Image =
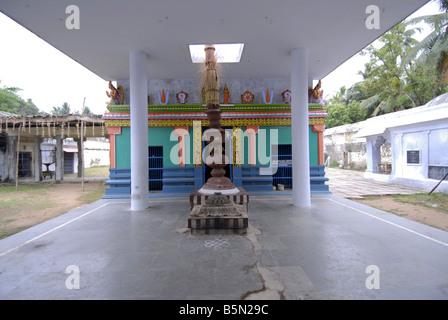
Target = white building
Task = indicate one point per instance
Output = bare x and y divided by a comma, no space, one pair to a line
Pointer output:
419,145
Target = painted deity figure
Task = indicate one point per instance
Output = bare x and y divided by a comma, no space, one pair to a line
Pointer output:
226,93
286,96
182,97
115,95
315,94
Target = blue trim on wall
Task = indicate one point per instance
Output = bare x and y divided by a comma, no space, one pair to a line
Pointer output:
181,181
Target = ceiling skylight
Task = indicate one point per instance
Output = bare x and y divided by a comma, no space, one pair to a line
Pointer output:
226,53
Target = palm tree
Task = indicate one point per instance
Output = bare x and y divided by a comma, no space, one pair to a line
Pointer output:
63,110
432,51
383,88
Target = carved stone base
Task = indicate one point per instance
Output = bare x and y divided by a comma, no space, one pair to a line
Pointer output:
198,198
218,214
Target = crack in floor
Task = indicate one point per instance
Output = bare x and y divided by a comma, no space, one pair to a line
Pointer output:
272,286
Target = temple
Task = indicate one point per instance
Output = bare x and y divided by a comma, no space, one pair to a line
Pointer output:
146,48
258,139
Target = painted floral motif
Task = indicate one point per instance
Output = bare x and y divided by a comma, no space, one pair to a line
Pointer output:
247,97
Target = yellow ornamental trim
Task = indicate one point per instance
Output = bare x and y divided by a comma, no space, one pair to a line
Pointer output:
224,122
197,143
313,121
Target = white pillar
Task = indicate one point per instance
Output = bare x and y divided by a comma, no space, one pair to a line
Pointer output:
139,130
301,193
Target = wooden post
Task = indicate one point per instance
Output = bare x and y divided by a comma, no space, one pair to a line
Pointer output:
17,159
81,153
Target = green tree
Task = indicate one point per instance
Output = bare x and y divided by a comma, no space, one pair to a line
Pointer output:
86,111
337,115
431,53
384,78
340,114
339,97
11,102
63,110
401,73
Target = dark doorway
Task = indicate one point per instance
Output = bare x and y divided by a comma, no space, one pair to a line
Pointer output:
155,167
69,157
284,170
24,164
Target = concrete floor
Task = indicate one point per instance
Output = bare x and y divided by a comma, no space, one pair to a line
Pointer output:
322,252
352,184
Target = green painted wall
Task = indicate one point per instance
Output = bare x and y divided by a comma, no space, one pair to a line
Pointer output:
123,148
314,151
157,136
284,137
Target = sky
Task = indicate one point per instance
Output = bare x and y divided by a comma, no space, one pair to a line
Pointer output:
50,78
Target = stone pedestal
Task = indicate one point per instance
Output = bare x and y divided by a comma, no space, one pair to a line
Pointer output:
241,198
217,214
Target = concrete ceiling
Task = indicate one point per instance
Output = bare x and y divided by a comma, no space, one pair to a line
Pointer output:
332,30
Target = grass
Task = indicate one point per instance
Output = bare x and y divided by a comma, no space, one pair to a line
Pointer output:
437,201
27,196
92,196
24,188
101,171
32,200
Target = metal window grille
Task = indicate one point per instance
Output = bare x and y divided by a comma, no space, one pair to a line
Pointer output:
155,167
284,171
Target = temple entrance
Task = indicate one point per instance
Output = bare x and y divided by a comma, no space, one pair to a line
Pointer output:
155,167
206,171
283,175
